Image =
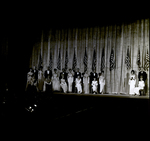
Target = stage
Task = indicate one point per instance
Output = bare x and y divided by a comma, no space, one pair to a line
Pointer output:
109,95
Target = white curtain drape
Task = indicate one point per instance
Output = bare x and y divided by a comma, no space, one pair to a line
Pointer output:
119,37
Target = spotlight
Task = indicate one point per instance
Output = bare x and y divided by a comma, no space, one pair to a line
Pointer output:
35,105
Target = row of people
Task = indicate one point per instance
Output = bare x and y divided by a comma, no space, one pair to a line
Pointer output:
69,82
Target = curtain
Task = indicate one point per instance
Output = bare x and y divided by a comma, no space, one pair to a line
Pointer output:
118,37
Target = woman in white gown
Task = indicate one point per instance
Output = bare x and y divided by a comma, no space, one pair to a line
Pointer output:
55,81
132,82
63,84
78,84
94,86
101,82
86,80
29,78
70,80
40,79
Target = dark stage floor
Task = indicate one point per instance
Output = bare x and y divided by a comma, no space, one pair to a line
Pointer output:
74,109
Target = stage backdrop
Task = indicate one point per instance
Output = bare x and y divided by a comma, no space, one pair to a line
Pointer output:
125,45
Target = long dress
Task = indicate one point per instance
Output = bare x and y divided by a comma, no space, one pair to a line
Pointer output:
78,85
94,84
55,82
63,84
140,87
70,81
132,86
102,83
40,80
29,79
86,83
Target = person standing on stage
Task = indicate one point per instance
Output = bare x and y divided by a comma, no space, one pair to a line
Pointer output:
70,80
101,82
78,84
132,82
63,83
29,78
47,73
35,71
77,73
86,81
40,79
55,81
94,86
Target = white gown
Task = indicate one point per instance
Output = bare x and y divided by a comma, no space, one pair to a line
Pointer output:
102,83
55,82
78,85
70,81
86,83
94,84
63,84
132,86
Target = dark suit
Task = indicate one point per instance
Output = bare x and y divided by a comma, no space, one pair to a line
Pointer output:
35,72
142,74
76,75
65,75
46,73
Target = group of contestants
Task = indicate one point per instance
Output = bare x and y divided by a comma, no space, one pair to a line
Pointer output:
72,82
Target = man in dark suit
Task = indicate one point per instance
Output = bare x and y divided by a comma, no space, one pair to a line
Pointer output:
63,73
143,74
92,76
47,73
77,73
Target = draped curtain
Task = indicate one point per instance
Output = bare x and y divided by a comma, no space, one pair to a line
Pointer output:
118,37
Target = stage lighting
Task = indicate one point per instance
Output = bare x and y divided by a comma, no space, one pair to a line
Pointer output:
35,105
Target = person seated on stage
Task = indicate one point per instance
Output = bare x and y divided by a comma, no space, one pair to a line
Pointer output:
140,89
92,76
78,84
94,86
144,75
29,77
101,82
47,84
70,80
132,82
63,83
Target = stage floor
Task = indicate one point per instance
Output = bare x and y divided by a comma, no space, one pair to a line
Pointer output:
105,95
